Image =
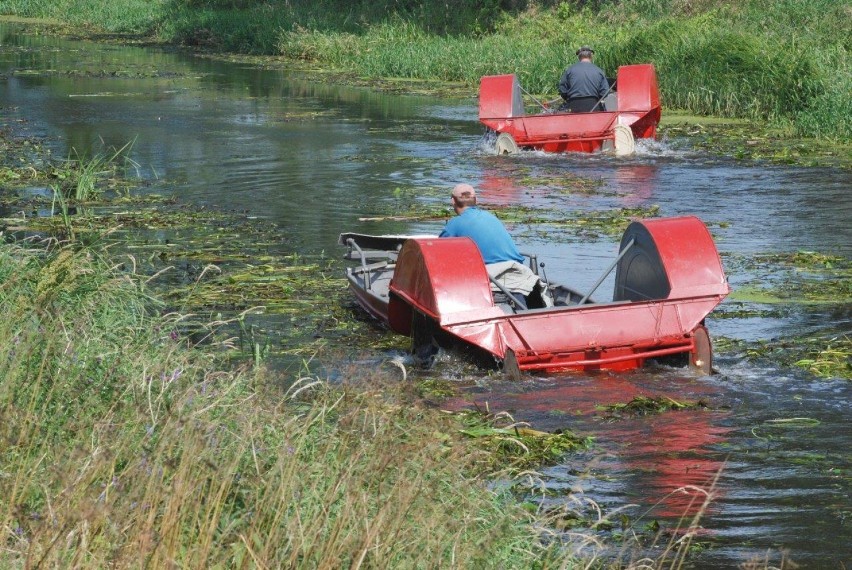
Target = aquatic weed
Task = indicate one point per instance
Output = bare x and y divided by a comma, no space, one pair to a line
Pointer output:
645,405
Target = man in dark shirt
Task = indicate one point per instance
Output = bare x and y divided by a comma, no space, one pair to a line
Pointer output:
583,85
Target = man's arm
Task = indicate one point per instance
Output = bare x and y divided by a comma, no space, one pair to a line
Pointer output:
449,229
603,86
563,85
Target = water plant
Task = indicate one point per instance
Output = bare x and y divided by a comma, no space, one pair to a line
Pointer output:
79,176
645,405
516,445
110,420
826,355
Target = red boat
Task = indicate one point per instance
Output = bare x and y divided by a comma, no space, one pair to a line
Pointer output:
632,112
438,291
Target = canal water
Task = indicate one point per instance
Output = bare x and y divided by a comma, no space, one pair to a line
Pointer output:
317,158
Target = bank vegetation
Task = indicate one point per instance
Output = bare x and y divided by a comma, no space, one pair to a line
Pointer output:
781,61
125,445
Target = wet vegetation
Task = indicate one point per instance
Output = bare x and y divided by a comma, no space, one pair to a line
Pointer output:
111,421
196,450
516,444
123,408
823,355
753,142
713,58
795,280
645,405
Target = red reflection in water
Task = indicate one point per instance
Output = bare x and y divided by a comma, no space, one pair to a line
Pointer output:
499,190
672,452
635,183
665,455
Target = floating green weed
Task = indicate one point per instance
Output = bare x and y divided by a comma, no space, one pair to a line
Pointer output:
833,358
754,141
802,277
825,356
644,405
562,183
805,260
510,444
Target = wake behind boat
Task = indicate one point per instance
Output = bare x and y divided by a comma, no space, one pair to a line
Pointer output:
438,291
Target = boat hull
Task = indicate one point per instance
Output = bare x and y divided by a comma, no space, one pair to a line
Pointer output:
668,279
636,112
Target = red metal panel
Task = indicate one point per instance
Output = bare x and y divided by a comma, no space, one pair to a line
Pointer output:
442,277
637,88
571,333
563,128
690,258
500,97
582,132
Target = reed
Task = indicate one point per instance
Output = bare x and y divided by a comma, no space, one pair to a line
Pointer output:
778,60
83,177
125,447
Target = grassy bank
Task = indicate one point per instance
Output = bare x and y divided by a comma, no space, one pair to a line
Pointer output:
125,447
777,60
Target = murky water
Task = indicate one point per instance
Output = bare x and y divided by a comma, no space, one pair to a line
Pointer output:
315,158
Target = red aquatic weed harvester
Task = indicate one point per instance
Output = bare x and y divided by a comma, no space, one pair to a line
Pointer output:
438,291
632,111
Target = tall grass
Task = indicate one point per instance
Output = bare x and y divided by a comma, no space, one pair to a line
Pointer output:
779,60
124,447
705,65
127,16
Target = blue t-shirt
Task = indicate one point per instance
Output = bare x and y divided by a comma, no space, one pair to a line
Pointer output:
487,231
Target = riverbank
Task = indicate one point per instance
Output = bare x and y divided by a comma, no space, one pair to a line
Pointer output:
721,59
127,441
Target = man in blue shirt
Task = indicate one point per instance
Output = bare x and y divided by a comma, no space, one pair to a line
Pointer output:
503,261
482,227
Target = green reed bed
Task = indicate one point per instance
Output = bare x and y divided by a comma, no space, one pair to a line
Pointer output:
777,60
723,60
125,447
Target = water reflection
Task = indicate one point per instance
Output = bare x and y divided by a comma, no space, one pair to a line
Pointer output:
498,187
635,183
667,458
